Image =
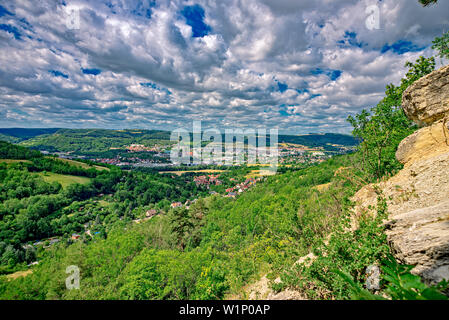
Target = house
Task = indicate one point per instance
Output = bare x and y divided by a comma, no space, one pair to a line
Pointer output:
207,180
75,236
176,205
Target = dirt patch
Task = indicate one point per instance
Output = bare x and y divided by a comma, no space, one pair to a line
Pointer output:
18,274
322,187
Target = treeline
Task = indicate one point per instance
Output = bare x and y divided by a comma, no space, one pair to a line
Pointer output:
59,166
10,151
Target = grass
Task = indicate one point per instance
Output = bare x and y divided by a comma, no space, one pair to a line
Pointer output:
82,164
13,161
64,180
179,173
323,187
258,173
103,203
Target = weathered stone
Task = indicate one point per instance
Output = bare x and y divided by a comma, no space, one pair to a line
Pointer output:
421,238
418,207
424,143
373,280
427,100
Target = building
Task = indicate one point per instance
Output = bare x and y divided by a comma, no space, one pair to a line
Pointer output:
176,205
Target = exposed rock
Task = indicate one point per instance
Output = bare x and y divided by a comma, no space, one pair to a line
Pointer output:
424,143
261,290
427,100
418,196
418,207
373,280
421,238
286,295
307,260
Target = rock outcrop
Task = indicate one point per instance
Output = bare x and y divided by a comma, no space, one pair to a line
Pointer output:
418,196
425,143
427,100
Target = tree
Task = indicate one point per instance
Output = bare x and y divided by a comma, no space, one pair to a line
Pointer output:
427,3
181,224
197,213
382,129
442,45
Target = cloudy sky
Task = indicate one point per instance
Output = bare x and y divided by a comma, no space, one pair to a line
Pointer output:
297,65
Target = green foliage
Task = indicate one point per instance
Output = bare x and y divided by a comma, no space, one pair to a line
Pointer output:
442,46
382,129
399,284
186,225
169,274
10,151
215,247
349,251
34,206
96,141
426,3
403,285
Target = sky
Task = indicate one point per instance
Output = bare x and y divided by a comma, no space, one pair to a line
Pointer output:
298,66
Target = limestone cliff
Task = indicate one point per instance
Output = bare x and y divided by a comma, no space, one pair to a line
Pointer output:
427,100
418,196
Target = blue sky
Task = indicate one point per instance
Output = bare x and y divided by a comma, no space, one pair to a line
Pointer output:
299,66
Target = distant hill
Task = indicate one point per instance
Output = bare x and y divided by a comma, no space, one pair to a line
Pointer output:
20,134
93,141
318,140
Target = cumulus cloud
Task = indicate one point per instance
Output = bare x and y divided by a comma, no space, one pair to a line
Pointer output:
300,66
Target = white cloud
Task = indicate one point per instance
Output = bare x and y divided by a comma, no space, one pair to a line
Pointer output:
155,74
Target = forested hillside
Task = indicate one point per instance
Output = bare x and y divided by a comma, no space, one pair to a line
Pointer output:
211,249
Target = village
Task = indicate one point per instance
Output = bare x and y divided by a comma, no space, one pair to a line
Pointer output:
288,155
158,156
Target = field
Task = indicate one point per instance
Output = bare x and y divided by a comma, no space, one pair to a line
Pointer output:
82,164
258,173
64,180
179,173
13,161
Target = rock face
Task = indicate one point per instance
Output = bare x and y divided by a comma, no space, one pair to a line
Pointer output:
421,237
427,100
424,143
418,196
